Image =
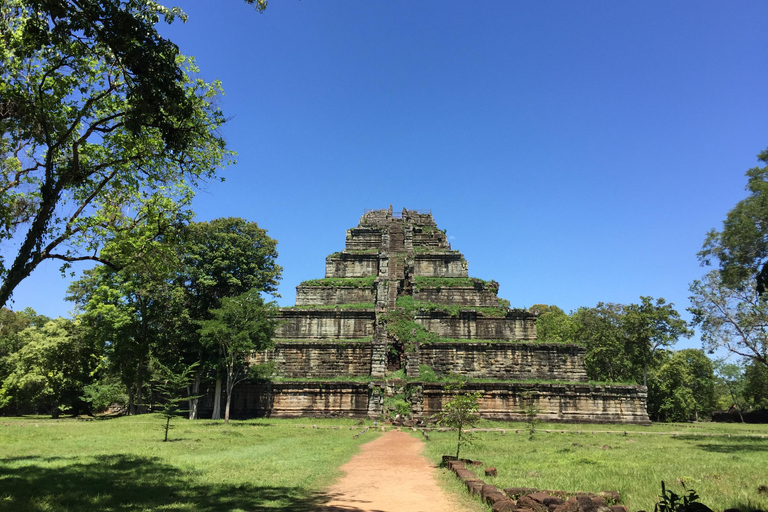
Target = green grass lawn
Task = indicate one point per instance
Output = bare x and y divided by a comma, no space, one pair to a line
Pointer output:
725,471
283,465
122,464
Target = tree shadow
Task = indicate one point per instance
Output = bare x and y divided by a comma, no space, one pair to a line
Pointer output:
129,483
728,444
748,507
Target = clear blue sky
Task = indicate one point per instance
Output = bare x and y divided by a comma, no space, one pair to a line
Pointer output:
576,151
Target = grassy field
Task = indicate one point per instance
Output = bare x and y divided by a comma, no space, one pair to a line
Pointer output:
122,464
724,463
280,465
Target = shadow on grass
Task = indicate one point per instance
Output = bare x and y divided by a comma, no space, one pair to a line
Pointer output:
728,444
123,483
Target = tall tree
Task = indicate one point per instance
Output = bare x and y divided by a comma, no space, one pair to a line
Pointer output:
756,385
729,386
741,248
242,325
221,258
153,308
125,313
651,326
50,369
681,386
733,317
11,325
600,330
103,131
623,340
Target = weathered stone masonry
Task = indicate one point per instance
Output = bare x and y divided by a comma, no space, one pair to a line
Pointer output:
390,256
510,361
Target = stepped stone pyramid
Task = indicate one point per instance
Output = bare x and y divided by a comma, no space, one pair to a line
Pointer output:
399,300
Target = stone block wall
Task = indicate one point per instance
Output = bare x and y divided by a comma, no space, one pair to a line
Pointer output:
352,265
432,238
464,296
317,359
449,264
504,360
472,325
364,238
569,403
297,399
322,295
324,324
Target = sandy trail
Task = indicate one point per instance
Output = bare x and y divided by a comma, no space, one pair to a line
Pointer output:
390,475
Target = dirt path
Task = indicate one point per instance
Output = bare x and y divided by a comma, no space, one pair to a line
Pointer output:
390,475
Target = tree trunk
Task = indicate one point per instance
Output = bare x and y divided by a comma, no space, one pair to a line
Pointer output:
230,385
31,252
193,392
736,403
139,406
131,402
217,400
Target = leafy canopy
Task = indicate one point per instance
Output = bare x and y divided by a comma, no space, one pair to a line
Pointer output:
104,132
741,248
735,318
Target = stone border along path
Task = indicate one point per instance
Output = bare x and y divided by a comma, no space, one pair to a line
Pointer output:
389,475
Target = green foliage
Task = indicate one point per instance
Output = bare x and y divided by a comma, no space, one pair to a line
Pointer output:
352,282
731,317
670,501
460,414
262,371
50,369
105,132
729,386
153,309
756,385
171,385
395,375
650,327
531,411
401,325
681,386
740,249
553,325
11,324
396,406
226,257
600,330
422,282
427,374
127,314
102,394
242,325
622,340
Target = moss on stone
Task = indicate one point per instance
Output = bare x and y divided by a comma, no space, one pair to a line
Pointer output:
351,282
